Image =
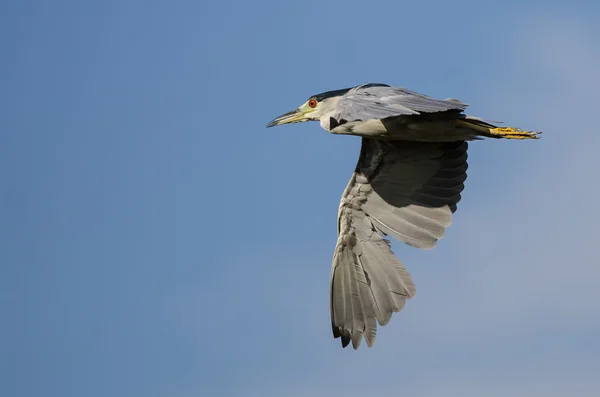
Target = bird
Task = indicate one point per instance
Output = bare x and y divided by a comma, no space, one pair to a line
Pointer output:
406,185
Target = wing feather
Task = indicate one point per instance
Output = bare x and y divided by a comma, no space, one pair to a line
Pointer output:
378,102
407,190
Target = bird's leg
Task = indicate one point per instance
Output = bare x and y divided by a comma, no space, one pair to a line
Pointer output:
513,133
489,130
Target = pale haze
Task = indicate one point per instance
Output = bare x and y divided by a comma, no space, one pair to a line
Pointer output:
156,240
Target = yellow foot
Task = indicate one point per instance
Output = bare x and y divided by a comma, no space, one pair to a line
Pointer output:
513,133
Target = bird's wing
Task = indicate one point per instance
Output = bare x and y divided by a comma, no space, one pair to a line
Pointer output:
407,190
379,102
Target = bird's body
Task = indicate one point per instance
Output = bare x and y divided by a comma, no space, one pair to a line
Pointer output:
407,184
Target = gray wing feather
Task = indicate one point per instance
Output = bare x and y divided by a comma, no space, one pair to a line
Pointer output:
366,103
407,190
416,189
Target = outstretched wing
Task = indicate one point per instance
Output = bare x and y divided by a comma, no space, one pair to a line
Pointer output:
379,102
407,190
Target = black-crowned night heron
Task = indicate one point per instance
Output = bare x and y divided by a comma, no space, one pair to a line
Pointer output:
407,183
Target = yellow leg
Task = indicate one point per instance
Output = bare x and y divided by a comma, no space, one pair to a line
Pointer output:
513,133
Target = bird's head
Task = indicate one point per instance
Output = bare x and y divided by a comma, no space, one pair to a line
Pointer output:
314,108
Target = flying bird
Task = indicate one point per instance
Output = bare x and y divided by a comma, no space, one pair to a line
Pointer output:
407,184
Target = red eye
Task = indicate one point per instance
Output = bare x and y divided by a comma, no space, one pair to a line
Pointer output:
312,103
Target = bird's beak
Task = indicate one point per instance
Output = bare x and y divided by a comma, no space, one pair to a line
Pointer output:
295,116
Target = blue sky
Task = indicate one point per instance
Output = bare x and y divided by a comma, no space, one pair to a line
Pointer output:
156,240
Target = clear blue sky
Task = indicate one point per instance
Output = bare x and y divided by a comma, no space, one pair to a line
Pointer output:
157,241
